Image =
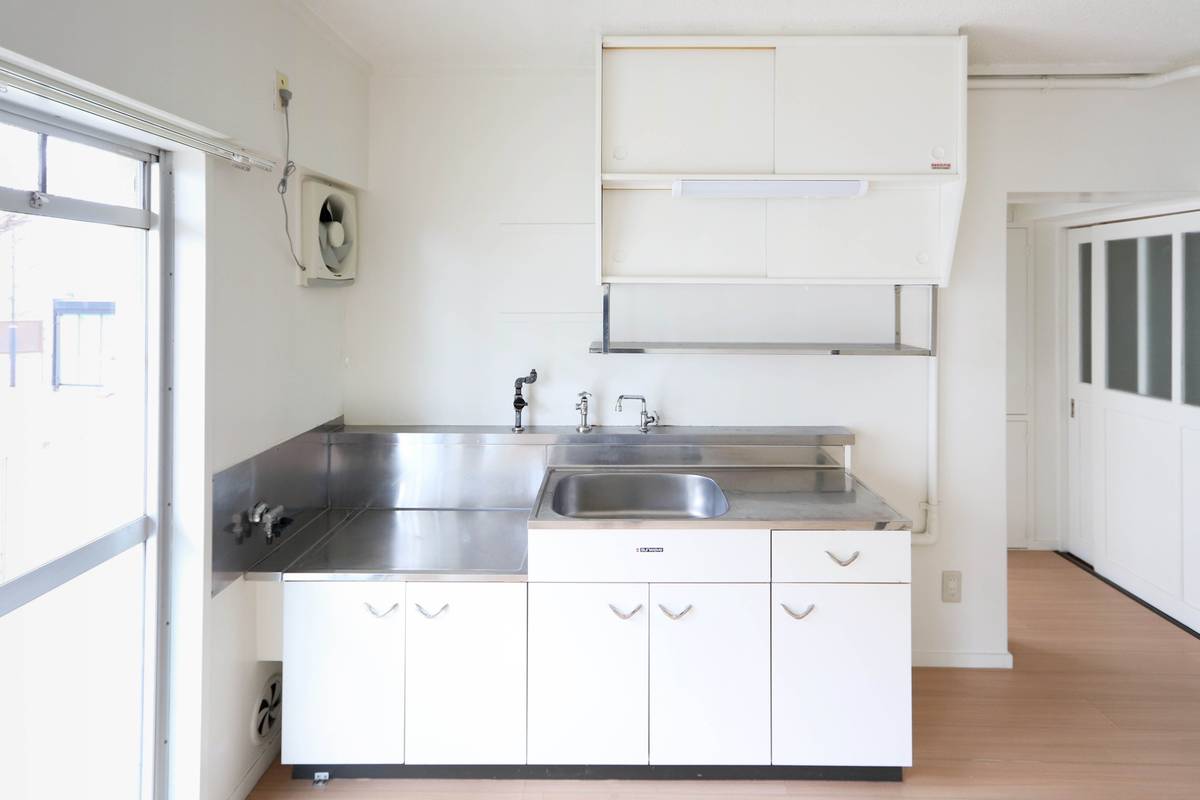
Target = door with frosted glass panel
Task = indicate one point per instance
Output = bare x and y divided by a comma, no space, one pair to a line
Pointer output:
1134,444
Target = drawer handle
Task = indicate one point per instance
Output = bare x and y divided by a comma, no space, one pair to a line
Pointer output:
680,615
381,614
798,615
845,563
625,616
427,615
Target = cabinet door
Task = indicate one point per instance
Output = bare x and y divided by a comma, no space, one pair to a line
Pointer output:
710,655
343,673
841,675
865,105
587,673
465,667
687,110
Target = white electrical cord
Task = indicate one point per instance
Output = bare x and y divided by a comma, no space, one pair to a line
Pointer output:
289,167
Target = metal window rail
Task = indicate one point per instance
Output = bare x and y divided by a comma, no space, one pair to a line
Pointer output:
894,348
30,586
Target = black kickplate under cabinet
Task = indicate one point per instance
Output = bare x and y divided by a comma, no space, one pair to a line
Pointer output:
601,772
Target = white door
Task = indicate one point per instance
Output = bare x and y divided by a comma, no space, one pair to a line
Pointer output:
588,659
710,673
1080,367
841,669
465,670
1135,458
343,673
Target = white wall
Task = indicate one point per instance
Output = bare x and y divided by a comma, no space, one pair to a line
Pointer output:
478,264
259,358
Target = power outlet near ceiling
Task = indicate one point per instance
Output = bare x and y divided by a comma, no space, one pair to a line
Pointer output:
952,586
281,83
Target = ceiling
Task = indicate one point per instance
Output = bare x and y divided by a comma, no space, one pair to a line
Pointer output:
1006,36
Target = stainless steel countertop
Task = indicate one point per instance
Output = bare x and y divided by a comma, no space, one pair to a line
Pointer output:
420,544
796,498
830,436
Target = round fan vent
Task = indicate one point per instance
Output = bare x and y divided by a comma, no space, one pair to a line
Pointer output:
264,720
329,232
333,234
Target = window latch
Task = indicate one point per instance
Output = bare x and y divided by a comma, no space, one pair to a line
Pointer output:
38,199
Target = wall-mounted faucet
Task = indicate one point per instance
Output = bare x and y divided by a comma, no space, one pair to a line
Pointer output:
271,519
644,420
519,401
582,408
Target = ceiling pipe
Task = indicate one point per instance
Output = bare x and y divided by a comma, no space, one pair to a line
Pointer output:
1133,81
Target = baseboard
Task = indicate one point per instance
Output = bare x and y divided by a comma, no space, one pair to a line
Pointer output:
596,772
939,658
268,756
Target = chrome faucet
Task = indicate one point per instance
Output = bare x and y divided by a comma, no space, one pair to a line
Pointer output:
645,420
582,408
271,519
519,402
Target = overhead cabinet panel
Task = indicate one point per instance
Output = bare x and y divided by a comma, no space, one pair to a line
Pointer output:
890,233
650,234
687,110
881,105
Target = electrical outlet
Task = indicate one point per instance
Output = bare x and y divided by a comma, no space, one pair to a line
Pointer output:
951,586
281,82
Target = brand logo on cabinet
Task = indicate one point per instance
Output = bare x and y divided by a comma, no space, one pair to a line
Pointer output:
649,550
939,165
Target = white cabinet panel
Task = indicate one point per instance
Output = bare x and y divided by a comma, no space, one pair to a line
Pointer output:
650,234
649,554
866,105
343,673
687,110
841,676
588,690
465,673
710,694
890,232
841,556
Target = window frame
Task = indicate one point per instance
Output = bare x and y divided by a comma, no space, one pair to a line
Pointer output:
151,528
76,308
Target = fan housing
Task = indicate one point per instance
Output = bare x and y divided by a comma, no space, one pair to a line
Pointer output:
329,233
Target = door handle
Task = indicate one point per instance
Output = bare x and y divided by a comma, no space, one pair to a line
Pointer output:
427,615
625,616
845,563
680,615
381,614
800,614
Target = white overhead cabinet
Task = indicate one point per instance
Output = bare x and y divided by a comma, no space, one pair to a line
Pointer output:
343,679
465,673
888,111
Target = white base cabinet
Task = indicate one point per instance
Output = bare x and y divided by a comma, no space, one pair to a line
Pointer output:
465,673
588,681
710,678
343,676
841,666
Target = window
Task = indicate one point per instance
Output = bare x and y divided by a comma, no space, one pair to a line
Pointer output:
77,414
1085,312
1139,315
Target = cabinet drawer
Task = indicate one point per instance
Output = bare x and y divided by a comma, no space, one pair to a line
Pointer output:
841,556
646,555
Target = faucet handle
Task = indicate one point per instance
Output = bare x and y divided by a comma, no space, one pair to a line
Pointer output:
583,400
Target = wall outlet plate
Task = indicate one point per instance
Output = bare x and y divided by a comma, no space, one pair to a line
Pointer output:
952,586
281,82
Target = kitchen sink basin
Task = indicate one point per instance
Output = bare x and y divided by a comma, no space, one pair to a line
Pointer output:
638,495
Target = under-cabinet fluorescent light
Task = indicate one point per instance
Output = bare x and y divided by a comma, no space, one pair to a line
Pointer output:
750,188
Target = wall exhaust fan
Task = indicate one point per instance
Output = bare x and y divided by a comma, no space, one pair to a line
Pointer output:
329,234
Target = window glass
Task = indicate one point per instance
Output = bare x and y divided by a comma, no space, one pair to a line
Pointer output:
18,158
89,173
1139,315
1085,312
1191,318
72,456
71,686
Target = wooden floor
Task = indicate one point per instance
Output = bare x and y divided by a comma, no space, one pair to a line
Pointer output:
1103,702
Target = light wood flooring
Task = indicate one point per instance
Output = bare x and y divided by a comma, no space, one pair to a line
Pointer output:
1103,702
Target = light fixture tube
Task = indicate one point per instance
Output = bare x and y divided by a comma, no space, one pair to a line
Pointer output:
743,189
